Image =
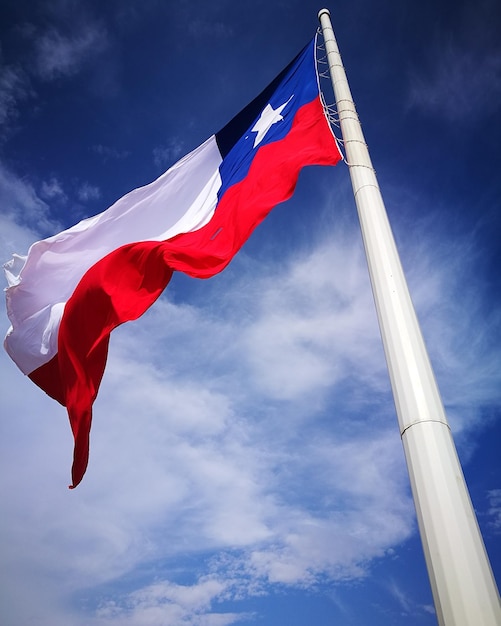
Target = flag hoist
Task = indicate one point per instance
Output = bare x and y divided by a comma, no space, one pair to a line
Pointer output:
462,582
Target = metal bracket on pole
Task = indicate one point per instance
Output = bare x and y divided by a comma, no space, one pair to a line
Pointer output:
463,586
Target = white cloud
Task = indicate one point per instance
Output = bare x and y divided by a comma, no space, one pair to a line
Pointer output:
309,317
407,605
462,85
463,79
64,54
21,204
169,603
70,40
87,192
15,87
52,189
494,511
165,156
107,152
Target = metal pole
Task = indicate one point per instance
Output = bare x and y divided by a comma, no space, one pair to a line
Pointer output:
463,586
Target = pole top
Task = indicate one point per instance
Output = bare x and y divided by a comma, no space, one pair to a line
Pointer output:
323,12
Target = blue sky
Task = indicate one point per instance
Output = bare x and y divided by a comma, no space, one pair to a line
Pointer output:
246,466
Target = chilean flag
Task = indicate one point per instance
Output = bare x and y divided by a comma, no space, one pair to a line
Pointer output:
74,288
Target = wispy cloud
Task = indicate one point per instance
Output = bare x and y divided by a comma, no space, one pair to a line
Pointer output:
59,54
165,602
87,192
15,88
401,597
166,155
69,41
463,81
23,206
494,511
109,152
407,605
52,189
461,85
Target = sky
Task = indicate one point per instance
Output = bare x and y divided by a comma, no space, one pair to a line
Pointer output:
246,466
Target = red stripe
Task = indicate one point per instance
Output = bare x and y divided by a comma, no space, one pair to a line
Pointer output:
125,283
117,289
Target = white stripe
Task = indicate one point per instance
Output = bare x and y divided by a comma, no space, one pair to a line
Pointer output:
181,200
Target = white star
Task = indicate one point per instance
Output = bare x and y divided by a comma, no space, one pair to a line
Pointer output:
269,116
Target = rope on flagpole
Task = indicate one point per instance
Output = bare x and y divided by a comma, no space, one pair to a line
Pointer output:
332,111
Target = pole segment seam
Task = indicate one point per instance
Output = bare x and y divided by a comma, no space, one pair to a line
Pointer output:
355,141
420,421
347,117
363,186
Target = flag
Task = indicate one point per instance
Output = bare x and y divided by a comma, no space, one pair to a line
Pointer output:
71,290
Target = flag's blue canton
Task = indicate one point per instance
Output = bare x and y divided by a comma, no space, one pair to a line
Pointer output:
236,139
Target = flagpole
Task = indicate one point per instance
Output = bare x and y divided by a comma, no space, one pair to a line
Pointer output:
462,582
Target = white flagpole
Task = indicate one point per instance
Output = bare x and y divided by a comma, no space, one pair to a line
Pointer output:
463,586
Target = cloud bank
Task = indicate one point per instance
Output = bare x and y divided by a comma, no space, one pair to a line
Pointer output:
250,426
